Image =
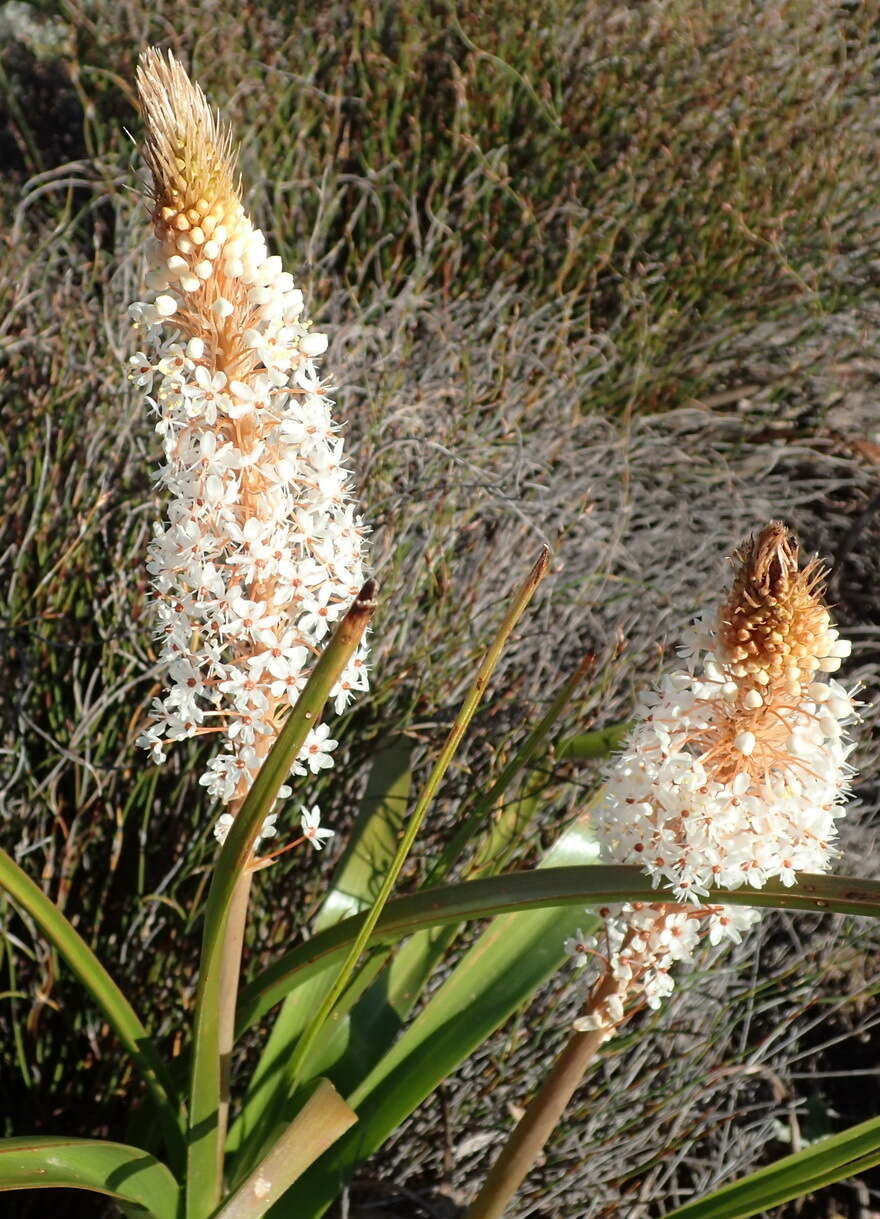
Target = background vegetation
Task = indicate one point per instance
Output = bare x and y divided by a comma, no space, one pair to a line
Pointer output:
597,273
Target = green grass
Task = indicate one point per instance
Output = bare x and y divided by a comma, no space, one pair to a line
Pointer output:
555,246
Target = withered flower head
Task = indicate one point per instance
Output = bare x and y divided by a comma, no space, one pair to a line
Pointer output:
189,153
774,627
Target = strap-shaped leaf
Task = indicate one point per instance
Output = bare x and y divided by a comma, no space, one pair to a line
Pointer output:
522,891
367,857
130,1175
323,1117
205,1151
505,967
830,1159
299,1065
106,994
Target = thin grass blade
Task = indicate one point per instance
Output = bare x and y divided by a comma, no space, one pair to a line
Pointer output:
830,1159
553,886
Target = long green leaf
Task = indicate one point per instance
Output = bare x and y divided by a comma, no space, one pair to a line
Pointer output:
205,1152
300,1064
509,961
503,969
366,859
830,1159
483,805
94,977
546,887
128,1174
376,1017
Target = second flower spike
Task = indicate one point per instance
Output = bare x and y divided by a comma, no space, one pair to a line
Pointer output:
735,773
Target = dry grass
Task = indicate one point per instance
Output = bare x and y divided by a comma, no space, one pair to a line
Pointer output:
603,275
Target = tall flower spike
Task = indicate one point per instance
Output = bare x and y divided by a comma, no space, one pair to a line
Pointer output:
262,549
735,773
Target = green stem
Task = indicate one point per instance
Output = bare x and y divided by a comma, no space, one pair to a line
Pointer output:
205,1148
465,714
230,971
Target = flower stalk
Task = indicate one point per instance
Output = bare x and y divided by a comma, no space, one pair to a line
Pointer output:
735,773
262,550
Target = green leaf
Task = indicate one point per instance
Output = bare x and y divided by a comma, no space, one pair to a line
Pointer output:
300,1065
590,746
376,1018
205,1150
367,857
831,1159
497,976
128,1174
297,1070
94,977
478,814
318,1124
548,886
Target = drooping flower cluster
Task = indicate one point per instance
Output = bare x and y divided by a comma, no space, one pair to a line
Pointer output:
735,772
262,549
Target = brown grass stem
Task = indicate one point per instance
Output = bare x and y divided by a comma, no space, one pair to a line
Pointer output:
541,1116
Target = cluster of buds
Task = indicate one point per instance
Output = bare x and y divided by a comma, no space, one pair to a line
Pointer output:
262,549
735,773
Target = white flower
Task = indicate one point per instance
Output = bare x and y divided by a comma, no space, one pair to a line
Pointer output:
310,820
317,748
268,829
579,948
222,826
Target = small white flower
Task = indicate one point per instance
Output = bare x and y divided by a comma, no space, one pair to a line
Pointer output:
260,531
268,829
310,820
222,826
578,948
317,749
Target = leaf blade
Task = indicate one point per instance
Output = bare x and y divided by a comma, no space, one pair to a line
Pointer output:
205,1151
125,1173
830,1159
517,891
91,974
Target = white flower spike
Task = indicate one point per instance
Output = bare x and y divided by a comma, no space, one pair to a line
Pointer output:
261,551
735,773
